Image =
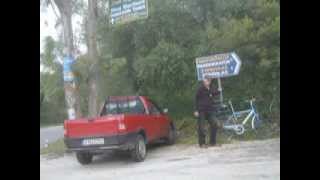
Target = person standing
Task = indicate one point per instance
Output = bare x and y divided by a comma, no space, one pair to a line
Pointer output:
205,110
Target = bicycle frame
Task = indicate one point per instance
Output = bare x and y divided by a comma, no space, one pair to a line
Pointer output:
239,127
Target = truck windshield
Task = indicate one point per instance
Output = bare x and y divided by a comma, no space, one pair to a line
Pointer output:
123,106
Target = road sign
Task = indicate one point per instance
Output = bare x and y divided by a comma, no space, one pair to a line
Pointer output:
122,11
71,113
218,66
67,70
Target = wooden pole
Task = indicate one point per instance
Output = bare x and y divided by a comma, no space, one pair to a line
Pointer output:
220,90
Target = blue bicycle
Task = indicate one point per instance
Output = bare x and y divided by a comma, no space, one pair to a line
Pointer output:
240,121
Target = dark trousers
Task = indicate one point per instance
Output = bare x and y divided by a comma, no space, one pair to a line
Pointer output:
211,118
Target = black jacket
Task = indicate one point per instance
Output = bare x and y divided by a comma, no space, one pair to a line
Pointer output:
205,99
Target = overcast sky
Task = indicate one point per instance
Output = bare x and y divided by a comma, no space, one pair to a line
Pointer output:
47,22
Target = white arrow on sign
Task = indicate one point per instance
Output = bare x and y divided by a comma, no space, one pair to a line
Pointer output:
238,62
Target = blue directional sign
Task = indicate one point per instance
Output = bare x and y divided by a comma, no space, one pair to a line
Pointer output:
122,11
218,66
67,69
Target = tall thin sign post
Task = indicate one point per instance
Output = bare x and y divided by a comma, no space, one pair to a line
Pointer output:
220,90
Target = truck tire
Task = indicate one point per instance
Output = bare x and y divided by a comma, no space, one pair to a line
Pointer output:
172,136
84,157
139,152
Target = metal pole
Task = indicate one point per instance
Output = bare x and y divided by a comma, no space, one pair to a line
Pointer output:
220,90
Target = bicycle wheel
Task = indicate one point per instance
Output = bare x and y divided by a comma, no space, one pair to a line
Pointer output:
229,120
231,126
239,129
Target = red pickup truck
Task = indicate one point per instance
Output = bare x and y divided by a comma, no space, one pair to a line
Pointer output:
125,123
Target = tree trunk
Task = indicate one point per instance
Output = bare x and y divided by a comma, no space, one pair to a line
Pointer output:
71,89
93,57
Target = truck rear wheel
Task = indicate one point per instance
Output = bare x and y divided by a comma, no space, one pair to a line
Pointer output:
84,157
139,151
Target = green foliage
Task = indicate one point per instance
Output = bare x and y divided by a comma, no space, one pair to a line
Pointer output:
56,148
161,50
52,106
51,85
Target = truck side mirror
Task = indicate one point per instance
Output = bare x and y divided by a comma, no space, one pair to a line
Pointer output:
165,110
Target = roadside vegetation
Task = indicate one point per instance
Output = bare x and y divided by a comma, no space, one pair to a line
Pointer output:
48,124
187,134
56,148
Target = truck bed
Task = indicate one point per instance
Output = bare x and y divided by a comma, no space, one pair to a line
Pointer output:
96,127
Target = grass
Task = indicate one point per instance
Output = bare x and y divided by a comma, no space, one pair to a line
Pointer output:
55,148
188,133
44,125
222,138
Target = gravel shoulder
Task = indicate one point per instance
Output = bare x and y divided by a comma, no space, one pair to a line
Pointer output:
241,160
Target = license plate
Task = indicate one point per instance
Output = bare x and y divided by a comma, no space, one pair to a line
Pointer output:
95,141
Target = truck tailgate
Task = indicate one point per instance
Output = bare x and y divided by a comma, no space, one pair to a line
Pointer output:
97,127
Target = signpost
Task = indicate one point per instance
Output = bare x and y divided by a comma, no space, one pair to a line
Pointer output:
68,78
122,11
218,66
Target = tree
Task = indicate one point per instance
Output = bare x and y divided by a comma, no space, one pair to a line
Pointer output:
52,105
71,90
93,57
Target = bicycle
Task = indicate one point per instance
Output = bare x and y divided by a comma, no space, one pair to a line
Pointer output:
238,120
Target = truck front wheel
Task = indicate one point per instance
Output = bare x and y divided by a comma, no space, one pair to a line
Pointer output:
139,151
172,135
84,157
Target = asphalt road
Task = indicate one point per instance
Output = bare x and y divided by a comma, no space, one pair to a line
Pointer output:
50,134
252,160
